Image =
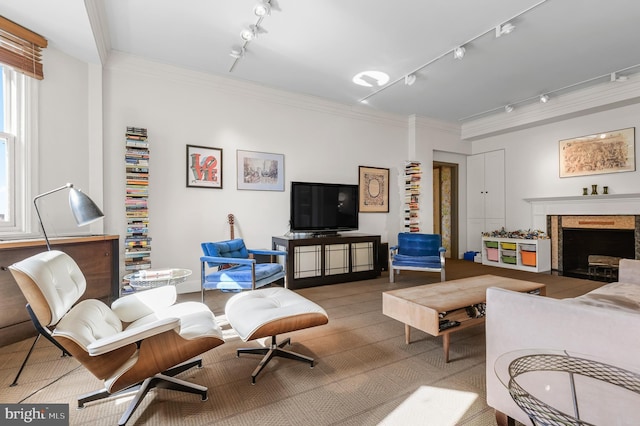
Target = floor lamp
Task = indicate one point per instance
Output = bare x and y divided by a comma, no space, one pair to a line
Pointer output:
85,212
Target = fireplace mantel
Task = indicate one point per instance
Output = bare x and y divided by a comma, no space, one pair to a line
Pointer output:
610,204
585,198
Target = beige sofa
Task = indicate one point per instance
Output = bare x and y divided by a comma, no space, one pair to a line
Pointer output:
596,335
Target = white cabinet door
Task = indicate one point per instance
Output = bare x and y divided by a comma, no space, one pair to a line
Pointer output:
494,184
475,186
485,196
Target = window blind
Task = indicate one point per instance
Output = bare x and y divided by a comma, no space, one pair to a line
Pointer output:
20,48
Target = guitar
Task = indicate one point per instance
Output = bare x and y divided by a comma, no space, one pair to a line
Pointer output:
231,221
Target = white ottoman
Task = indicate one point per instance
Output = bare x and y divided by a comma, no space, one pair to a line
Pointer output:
269,312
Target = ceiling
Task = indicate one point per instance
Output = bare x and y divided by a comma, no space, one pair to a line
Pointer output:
316,47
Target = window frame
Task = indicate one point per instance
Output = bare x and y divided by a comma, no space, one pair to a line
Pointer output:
20,118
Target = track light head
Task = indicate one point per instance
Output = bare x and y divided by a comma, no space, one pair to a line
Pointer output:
544,99
262,9
409,79
458,52
506,28
237,52
508,108
247,34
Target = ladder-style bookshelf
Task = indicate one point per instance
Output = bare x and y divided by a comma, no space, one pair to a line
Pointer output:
412,177
137,240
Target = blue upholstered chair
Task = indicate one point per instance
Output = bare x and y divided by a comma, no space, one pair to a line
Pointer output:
417,252
235,269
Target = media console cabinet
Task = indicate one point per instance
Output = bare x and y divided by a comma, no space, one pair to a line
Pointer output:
321,260
96,255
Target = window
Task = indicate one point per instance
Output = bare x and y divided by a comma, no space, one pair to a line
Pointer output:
15,150
20,68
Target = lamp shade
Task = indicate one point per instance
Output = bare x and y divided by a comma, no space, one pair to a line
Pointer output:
83,208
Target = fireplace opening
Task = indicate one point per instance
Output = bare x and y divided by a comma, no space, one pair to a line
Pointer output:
579,243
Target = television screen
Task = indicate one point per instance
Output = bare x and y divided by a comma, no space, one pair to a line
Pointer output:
323,207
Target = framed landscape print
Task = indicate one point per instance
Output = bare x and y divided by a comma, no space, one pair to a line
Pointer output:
608,152
374,189
204,167
260,171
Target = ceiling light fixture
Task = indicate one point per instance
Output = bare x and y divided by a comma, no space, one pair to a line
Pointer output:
237,53
247,35
544,99
262,9
616,77
504,29
409,79
508,108
459,51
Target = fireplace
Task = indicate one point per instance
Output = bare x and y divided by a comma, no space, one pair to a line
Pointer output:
578,244
575,238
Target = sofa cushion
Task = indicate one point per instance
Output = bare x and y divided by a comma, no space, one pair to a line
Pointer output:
619,296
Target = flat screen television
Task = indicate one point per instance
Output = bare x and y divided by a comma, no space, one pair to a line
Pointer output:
323,208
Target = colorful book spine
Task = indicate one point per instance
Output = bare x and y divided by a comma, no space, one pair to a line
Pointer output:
137,240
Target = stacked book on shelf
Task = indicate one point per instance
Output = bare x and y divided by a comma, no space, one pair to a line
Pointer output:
137,253
412,177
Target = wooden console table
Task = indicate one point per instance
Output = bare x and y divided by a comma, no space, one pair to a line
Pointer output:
331,259
97,257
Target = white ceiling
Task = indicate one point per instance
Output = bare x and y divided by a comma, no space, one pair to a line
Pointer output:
316,47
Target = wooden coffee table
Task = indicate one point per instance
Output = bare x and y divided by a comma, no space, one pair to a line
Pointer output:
423,307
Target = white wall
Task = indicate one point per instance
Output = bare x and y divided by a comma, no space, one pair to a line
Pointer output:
532,161
66,149
321,141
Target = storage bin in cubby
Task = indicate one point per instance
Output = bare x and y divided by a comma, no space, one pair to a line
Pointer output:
528,247
491,244
509,253
508,246
509,259
528,258
492,254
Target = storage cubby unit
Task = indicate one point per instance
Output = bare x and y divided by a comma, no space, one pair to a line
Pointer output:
515,253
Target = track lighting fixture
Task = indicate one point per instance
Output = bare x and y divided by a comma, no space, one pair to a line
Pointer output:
459,52
544,99
237,53
506,28
409,79
508,108
262,9
616,77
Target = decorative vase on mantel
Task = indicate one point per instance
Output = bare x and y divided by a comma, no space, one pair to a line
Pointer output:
594,189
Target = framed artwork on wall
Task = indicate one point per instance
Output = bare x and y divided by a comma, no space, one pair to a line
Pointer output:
260,171
374,189
600,153
204,167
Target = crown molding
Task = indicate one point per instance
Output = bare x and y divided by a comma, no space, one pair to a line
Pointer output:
121,62
597,98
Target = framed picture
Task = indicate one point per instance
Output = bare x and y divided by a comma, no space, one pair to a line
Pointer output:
260,171
204,167
608,152
374,190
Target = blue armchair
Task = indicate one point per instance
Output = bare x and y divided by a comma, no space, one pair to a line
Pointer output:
417,252
235,270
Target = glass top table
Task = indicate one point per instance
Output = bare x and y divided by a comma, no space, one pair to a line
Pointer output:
556,387
151,278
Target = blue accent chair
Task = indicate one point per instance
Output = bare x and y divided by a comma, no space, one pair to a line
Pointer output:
235,269
417,252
